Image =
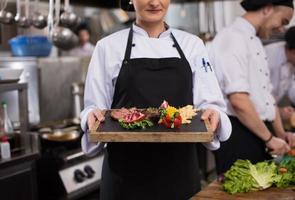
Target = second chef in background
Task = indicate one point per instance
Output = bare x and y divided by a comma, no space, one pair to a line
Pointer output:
141,67
241,66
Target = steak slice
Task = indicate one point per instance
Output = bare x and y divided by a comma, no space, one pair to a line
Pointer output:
134,116
119,113
122,113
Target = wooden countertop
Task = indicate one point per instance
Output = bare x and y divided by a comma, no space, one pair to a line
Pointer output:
215,192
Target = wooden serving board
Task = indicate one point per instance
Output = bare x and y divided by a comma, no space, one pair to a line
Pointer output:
111,131
214,192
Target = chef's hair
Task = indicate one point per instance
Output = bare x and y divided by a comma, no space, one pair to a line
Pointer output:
82,26
254,5
290,38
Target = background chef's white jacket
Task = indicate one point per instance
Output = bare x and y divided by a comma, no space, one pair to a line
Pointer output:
107,59
241,66
85,50
281,71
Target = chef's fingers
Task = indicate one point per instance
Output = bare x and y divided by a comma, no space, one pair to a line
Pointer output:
96,115
277,146
91,120
290,139
99,115
283,150
206,114
290,109
213,117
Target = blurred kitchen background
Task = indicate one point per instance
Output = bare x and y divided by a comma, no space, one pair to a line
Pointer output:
42,87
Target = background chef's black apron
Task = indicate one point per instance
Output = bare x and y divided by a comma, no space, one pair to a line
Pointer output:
242,144
151,171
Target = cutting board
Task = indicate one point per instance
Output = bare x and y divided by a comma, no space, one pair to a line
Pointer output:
214,192
111,131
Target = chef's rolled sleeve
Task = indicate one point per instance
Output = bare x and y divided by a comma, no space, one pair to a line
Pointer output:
232,61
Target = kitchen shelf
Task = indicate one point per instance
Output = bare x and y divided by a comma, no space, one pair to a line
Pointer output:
22,89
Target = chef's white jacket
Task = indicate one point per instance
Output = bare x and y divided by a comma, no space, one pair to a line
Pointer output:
241,66
106,63
281,71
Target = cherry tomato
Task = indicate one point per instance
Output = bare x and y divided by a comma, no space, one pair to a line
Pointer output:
166,121
177,122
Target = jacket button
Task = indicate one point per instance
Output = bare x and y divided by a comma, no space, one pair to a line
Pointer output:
125,62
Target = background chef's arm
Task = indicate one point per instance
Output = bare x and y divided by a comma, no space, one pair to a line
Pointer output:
278,125
207,93
289,137
246,113
291,91
95,96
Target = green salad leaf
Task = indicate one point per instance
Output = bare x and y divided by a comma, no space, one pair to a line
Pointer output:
136,125
238,178
243,176
264,173
287,178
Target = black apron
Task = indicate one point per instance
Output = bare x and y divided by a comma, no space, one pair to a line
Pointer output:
151,171
242,144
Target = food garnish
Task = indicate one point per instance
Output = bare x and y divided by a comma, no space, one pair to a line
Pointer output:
169,116
187,113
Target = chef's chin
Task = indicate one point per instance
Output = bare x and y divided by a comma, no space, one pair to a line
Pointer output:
153,17
264,33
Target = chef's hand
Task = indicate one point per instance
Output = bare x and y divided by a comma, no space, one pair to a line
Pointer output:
289,137
95,115
286,112
277,146
213,116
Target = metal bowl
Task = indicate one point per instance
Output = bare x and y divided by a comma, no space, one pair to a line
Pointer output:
61,136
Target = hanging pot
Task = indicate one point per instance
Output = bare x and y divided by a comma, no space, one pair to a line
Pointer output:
5,16
68,19
64,38
61,37
38,20
22,21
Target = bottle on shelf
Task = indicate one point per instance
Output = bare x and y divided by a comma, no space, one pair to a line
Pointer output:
1,122
8,129
5,148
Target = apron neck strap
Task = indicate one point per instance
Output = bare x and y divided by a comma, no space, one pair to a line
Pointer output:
176,45
129,44
130,39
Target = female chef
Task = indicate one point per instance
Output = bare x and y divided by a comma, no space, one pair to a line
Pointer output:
141,66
